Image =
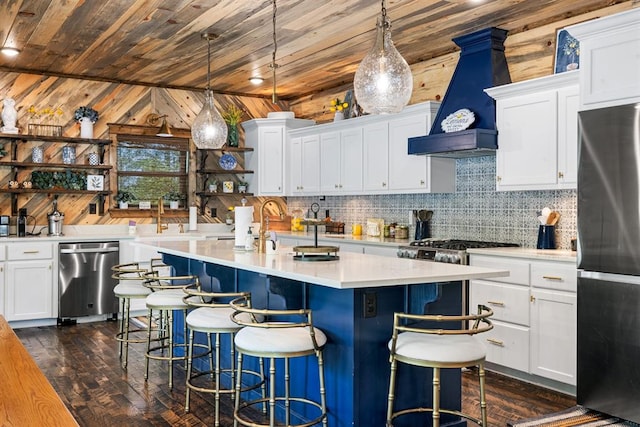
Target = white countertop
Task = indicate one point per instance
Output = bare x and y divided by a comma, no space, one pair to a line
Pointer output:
352,270
542,254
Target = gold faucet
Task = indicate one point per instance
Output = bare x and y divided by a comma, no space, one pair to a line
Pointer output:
159,225
262,239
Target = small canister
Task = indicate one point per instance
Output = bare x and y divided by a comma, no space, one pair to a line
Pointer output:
402,232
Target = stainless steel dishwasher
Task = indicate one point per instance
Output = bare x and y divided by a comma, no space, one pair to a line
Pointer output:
85,286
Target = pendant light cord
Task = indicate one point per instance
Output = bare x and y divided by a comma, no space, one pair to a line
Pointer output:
208,62
274,96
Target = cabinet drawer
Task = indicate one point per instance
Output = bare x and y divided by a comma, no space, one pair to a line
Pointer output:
518,269
509,303
31,250
553,275
507,345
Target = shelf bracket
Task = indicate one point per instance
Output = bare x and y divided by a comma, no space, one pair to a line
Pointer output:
101,204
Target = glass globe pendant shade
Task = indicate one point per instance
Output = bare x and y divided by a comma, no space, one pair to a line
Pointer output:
209,130
383,82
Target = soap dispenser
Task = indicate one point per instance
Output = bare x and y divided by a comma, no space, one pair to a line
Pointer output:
248,244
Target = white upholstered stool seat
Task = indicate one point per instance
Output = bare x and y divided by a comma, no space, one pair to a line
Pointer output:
437,342
277,336
444,349
130,286
211,315
166,297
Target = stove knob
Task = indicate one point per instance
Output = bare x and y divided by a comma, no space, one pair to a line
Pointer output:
454,259
400,253
413,254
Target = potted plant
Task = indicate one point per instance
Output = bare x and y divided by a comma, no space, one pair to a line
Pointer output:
242,186
174,199
123,198
213,185
232,116
86,116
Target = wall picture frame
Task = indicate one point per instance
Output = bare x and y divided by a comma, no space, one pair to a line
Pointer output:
567,52
95,182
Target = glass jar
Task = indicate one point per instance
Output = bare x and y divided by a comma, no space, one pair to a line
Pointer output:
37,155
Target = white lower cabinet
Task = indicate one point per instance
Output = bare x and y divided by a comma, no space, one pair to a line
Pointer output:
30,289
534,315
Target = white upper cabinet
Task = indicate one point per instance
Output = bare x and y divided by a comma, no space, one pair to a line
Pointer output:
267,137
609,60
304,165
537,124
341,161
369,155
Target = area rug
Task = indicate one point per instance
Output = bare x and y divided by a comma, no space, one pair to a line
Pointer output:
576,416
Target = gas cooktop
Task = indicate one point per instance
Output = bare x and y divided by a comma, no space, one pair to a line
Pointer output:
460,245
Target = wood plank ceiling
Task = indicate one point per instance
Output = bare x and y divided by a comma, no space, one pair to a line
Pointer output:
320,42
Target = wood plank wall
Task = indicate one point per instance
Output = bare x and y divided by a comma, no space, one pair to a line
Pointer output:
529,54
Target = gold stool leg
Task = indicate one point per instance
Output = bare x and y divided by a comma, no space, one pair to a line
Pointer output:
237,393
436,397
217,379
272,392
125,324
187,392
392,387
483,402
287,395
323,398
146,355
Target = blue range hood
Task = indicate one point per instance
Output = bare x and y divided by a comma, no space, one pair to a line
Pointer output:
482,65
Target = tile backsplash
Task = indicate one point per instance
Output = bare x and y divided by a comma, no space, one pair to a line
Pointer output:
476,211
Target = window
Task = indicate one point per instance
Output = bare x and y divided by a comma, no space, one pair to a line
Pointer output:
150,167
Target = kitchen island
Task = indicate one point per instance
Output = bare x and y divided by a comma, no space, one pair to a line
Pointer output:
353,300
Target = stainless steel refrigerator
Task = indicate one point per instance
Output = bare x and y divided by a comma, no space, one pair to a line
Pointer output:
608,377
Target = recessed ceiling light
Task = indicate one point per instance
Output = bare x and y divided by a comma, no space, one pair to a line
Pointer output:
256,80
10,51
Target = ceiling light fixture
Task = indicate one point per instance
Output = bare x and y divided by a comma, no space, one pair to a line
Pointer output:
209,129
165,130
10,51
256,80
383,82
273,65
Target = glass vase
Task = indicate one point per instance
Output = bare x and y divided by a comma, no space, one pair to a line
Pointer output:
232,135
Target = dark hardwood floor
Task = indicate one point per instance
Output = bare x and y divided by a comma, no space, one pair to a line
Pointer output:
81,362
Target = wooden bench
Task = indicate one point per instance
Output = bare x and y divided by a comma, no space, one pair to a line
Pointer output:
26,396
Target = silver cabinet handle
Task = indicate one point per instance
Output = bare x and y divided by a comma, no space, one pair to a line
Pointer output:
89,251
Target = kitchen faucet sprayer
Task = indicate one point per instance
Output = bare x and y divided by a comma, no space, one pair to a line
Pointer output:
262,239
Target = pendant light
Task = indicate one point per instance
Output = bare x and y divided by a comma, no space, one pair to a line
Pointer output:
383,82
165,130
209,130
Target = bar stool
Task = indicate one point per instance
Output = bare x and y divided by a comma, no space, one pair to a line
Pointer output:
130,277
284,334
425,345
211,315
166,296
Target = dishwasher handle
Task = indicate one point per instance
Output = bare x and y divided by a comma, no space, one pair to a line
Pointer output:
89,250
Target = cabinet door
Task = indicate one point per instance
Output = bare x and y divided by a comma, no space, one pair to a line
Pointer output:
351,160
568,104
29,290
295,168
330,179
406,172
553,335
310,165
2,289
271,173
527,154
376,157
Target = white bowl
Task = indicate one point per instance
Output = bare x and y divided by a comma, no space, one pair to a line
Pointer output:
281,115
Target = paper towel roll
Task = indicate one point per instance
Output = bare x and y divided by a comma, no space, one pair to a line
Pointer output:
244,218
193,218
